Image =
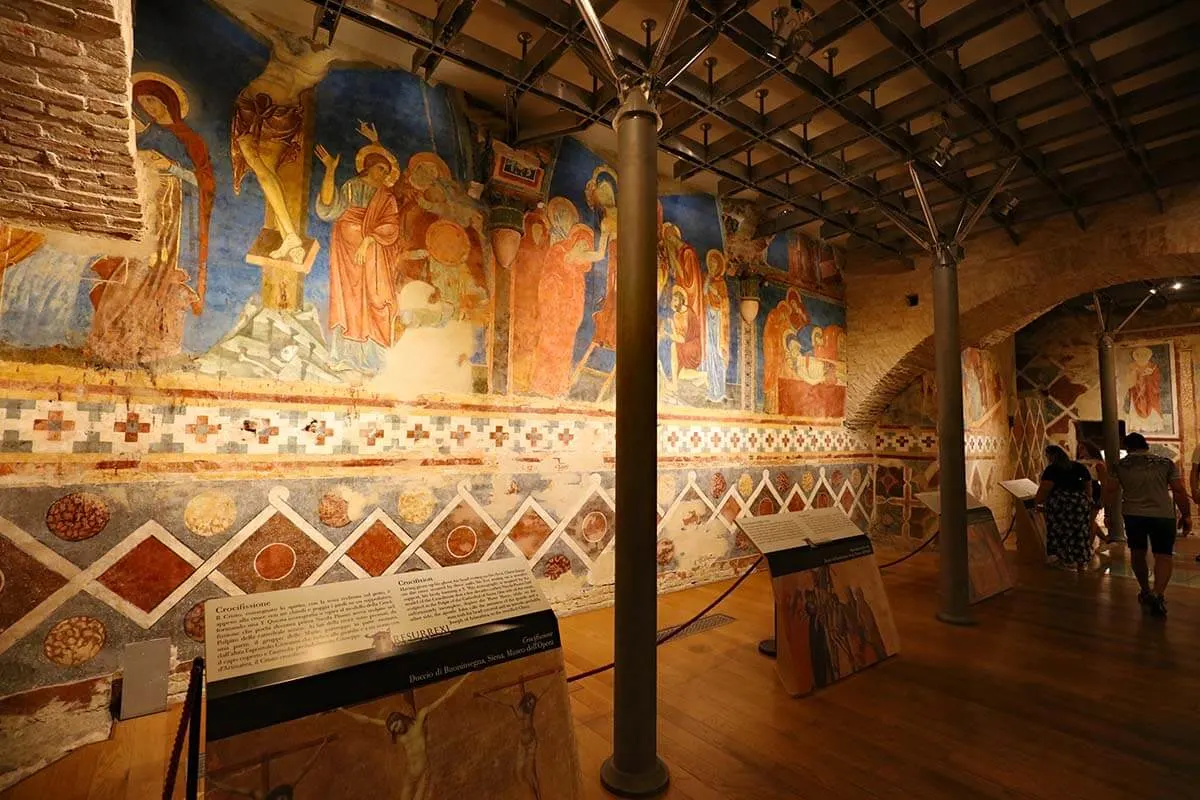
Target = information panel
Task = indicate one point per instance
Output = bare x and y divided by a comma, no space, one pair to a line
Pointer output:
254,633
441,683
776,532
1021,488
933,501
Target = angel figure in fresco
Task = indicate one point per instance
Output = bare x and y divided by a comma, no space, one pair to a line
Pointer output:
716,325
140,303
786,318
410,733
268,125
1143,401
601,196
526,312
365,247
527,744
561,297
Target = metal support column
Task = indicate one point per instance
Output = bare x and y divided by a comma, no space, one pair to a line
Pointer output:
952,461
1111,425
634,769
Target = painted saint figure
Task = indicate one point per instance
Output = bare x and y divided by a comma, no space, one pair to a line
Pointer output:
716,327
140,303
601,197
268,126
365,247
1144,401
410,733
685,276
527,276
787,318
561,295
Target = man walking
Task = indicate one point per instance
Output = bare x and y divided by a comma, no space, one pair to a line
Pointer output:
1153,491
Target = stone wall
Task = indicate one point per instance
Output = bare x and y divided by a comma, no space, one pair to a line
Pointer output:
67,157
1003,287
1059,382
906,446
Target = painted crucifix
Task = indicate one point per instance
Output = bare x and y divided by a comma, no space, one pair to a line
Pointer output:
269,140
523,707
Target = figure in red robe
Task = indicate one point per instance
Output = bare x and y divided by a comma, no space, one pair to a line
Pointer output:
527,277
365,248
561,299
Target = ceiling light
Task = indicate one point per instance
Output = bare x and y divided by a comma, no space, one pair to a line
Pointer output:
1154,291
1177,285
1009,205
944,152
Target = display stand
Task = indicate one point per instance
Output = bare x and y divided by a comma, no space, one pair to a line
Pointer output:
832,616
441,683
1028,525
986,565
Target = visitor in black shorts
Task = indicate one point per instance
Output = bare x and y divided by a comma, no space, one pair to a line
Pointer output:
1156,534
1152,498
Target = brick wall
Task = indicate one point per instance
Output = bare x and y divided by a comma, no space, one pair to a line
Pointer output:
1002,288
67,156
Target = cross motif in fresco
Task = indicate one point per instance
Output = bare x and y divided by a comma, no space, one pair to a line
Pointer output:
54,426
498,436
202,428
417,433
735,440
696,440
371,434
533,436
673,438
770,440
460,435
753,440
716,440
131,427
320,430
266,430
565,436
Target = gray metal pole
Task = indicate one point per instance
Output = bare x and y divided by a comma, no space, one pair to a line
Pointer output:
634,769
1111,424
952,461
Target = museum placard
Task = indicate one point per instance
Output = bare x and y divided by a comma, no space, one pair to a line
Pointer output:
440,683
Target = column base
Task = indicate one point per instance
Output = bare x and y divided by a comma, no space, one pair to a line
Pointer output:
951,618
627,784
767,648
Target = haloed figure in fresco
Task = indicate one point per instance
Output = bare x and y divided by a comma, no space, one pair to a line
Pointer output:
601,193
561,295
268,126
140,303
716,326
362,254
410,733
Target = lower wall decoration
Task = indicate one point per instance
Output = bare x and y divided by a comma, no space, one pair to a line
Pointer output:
100,565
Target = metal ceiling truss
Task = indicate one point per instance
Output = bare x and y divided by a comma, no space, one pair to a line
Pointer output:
846,195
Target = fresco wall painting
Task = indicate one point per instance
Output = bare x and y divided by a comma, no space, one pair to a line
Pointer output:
365,336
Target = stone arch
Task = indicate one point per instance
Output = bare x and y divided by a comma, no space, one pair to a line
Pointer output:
1002,288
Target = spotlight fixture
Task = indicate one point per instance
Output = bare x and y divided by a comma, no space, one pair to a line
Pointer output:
944,152
1177,285
1153,290
792,39
1009,205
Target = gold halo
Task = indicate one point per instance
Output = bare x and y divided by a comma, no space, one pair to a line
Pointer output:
447,242
719,257
561,205
171,83
378,149
420,159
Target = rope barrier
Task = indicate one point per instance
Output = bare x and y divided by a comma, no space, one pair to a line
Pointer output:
187,724
679,629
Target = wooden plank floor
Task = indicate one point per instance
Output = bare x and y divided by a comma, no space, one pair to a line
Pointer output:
1064,690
